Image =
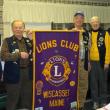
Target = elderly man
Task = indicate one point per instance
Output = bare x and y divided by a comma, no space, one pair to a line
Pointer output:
99,61
83,75
16,51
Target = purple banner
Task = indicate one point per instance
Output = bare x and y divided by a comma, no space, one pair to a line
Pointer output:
56,70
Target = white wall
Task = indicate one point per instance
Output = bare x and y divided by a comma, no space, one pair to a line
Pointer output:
37,12
33,26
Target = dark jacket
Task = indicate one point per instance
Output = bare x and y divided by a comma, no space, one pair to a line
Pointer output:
12,68
86,47
100,45
0,70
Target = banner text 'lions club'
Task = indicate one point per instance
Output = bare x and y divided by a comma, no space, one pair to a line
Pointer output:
56,70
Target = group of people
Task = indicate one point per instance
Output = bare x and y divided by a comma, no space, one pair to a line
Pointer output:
94,59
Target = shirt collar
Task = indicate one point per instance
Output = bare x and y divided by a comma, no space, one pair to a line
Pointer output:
15,38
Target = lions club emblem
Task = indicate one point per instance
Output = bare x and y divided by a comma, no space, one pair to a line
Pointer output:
57,70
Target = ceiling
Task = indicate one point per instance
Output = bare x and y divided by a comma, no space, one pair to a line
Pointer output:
96,2
107,1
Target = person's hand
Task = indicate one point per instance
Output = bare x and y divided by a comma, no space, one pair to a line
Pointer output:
106,66
24,55
29,34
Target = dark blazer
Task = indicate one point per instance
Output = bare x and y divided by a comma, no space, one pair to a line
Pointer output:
12,68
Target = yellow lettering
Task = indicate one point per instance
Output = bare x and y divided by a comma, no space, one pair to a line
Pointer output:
76,47
56,93
69,45
54,43
46,45
56,103
66,44
45,94
49,44
39,49
62,43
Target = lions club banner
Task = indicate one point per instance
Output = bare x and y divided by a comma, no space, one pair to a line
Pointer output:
55,70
